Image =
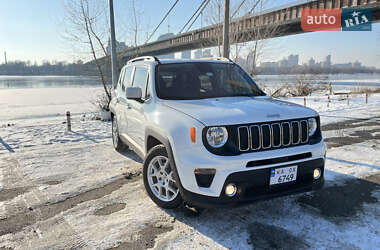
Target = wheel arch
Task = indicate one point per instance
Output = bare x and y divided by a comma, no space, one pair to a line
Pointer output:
153,138
164,140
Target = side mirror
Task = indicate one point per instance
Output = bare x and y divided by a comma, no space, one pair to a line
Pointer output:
133,93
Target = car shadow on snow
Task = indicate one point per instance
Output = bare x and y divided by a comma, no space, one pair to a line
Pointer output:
288,222
131,155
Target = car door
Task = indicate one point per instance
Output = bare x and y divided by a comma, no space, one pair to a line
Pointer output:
122,101
117,95
135,113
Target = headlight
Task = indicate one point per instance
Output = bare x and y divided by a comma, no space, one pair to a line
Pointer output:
217,136
312,126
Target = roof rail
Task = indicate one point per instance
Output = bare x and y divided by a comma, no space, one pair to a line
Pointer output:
225,59
144,58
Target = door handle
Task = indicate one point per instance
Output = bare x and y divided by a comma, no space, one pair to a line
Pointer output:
129,106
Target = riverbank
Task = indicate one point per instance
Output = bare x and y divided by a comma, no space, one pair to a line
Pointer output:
63,190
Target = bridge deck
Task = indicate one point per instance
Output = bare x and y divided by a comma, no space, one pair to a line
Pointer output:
287,21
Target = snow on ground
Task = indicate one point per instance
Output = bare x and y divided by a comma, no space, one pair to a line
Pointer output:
62,189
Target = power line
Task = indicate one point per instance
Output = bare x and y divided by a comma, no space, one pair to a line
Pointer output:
198,15
163,19
200,6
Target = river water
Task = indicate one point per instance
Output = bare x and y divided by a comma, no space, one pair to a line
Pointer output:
88,81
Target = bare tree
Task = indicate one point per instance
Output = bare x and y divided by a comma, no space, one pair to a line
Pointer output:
86,29
258,36
214,16
135,23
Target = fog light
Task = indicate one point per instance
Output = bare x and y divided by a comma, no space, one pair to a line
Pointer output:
231,190
316,173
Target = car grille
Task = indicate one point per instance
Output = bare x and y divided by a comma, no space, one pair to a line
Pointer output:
272,135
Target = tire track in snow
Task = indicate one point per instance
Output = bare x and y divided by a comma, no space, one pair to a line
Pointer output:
46,211
33,217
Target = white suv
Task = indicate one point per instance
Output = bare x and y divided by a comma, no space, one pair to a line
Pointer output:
210,136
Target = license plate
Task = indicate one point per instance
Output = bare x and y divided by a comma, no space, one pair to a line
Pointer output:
283,175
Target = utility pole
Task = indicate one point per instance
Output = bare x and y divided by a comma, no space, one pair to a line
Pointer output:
226,29
113,47
5,57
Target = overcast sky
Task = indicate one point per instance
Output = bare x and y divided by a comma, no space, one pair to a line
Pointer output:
32,30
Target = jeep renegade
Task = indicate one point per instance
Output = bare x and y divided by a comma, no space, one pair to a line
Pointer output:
210,136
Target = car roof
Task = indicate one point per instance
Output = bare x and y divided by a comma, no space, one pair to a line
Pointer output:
149,60
167,61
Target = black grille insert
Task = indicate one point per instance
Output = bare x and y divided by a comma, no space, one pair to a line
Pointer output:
243,138
295,132
255,137
266,135
272,135
286,133
304,131
276,130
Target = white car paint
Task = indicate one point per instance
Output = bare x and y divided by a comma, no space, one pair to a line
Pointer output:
173,119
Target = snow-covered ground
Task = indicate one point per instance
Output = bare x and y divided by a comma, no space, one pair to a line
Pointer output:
63,189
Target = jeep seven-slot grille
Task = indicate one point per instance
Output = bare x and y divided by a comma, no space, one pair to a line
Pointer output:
272,135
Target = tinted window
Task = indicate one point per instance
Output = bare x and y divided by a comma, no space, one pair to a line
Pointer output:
127,78
203,80
140,79
120,78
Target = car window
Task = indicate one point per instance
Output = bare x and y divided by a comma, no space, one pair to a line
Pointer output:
140,79
199,80
127,78
120,78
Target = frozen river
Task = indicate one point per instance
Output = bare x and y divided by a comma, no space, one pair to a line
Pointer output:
93,81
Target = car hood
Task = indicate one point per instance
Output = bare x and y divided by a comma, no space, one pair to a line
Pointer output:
239,110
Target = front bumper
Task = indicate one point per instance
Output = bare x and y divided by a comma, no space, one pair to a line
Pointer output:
254,185
187,160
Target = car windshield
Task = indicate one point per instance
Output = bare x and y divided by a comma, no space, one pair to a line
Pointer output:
199,80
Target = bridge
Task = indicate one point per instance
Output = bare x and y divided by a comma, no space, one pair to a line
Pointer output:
287,21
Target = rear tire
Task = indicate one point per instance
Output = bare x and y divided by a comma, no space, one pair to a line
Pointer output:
159,179
118,144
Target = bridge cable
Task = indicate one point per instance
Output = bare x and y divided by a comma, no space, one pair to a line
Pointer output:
200,6
163,19
253,8
208,1
238,8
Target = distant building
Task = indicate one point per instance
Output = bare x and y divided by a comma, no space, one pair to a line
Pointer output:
120,46
311,62
284,63
343,65
357,64
269,64
166,56
197,54
293,60
207,53
186,54
327,62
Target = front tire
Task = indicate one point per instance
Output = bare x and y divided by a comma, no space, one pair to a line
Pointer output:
159,180
118,145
